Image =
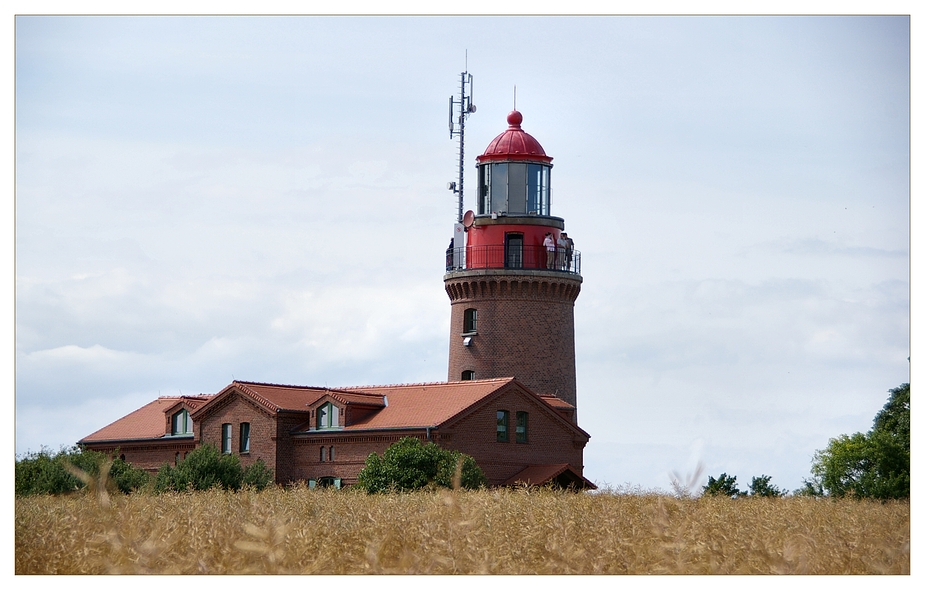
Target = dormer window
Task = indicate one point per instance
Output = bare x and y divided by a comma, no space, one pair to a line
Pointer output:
181,424
328,416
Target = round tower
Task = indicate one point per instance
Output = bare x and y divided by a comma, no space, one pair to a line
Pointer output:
513,285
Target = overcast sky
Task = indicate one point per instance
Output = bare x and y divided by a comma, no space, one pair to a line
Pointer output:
202,199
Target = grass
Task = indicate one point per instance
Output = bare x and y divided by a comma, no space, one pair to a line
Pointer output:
496,531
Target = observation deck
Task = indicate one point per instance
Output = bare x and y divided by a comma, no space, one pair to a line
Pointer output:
530,258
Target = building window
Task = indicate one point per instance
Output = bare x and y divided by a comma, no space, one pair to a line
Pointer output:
181,423
331,454
470,321
328,416
502,425
324,454
226,438
521,427
468,375
176,459
245,437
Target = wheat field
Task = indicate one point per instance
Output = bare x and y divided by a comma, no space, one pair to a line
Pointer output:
497,531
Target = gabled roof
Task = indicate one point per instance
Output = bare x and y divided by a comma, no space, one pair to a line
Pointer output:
144,423
424,405
562,474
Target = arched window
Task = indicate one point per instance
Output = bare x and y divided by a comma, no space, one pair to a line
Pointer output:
245,444
521,433
181,423
226,438
502,425
470,321
468,375
331,454
328,416
324,454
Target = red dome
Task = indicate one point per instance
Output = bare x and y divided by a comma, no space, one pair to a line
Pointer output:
514,144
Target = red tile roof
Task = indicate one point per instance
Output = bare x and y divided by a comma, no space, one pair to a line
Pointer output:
425,404
557,403
144,423
279,397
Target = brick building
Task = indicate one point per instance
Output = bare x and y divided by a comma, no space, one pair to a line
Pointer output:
510,399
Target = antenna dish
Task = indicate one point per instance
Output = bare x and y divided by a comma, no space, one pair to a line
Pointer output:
468,218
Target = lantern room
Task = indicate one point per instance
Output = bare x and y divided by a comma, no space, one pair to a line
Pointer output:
514,174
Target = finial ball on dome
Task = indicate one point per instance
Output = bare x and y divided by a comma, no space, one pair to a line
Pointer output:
514,119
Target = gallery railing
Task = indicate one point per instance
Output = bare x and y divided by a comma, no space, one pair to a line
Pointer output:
525,257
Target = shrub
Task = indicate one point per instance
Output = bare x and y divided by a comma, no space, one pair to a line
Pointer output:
258,475
410,465
202,469
47,473
205,468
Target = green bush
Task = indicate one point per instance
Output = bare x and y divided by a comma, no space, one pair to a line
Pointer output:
257,475
202,469
206,468
411,465
46,473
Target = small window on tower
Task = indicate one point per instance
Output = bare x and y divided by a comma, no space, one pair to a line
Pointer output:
470,321
468,375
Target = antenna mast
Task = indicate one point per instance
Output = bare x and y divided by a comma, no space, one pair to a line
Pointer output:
458,129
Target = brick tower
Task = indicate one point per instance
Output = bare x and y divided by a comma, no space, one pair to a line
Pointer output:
513,285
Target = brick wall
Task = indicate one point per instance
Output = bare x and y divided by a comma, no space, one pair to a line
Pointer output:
235,409
149,455
549,441
526,329
350,452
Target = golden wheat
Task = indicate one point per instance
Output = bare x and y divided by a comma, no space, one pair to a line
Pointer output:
498,531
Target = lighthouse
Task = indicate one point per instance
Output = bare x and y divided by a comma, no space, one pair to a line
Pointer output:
513,284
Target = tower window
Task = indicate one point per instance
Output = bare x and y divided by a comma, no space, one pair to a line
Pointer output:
468,375
470,321
245,437
521,433
502,425
181,423
328,416
226,438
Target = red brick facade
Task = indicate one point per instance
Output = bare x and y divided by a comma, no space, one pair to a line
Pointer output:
525,328
286,434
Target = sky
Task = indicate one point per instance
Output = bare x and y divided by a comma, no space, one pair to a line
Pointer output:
203,199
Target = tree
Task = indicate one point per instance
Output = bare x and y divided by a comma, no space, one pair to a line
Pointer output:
411,465
723,486
871,465
762,486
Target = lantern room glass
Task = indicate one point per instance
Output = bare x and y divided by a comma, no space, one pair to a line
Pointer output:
513,188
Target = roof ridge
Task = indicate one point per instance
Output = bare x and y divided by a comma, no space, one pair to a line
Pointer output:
427,383
264,384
